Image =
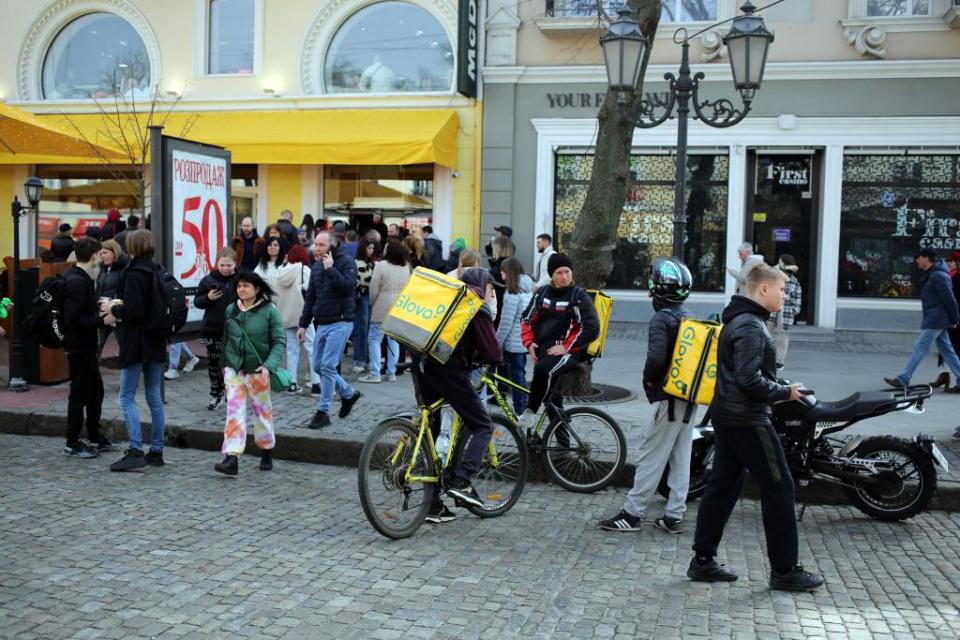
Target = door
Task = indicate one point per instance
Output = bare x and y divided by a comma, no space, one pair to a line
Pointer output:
783,215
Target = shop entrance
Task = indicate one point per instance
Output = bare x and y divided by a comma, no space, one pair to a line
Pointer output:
782,214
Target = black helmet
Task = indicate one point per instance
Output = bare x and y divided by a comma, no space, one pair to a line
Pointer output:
670,281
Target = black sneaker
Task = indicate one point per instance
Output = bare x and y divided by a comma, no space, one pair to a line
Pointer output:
315,389
80,450
294,388
668,524
794,580
346,405
623,521
230,466
440,514
132,459
709,572
104,443
465,495
779,366
154,458
266,460
215,402
320,420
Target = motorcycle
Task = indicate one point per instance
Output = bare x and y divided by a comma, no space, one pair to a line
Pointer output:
885,477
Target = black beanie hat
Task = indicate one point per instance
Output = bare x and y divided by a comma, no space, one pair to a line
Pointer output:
556,261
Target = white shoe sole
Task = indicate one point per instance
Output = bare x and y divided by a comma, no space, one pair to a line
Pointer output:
464,498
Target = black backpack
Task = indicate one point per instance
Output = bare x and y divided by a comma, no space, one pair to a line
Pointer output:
168,305
45,315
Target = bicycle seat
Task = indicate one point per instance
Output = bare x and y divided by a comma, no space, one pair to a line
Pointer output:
859,405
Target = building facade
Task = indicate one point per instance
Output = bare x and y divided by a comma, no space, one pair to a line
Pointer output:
338,109
849,159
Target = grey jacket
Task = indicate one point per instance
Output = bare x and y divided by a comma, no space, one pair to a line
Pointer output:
508,332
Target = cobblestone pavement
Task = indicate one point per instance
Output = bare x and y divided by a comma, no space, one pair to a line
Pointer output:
182,552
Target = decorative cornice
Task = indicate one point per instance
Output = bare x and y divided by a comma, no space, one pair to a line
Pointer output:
57,15
867,41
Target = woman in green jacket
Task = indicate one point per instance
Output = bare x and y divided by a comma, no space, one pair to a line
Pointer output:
253,344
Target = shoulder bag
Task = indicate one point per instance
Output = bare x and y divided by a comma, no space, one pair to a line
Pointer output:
280,380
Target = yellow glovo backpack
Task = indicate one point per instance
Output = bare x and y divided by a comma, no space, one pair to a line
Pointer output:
431,314
693,368
603,304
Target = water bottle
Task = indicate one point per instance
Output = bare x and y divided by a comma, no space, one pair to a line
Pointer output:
443,441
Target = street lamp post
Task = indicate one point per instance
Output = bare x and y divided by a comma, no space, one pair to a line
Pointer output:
34,190
624,46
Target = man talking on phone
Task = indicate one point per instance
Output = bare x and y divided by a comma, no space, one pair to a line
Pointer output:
746,389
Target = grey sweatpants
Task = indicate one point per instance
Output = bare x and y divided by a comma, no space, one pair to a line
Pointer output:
663,441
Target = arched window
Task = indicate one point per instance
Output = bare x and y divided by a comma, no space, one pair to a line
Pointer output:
98,55
389,47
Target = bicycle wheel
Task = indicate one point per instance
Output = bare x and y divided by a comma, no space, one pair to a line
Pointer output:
395,507
501,483
585,452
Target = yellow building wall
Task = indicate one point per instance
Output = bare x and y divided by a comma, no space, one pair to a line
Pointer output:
7,191
284,190
466,187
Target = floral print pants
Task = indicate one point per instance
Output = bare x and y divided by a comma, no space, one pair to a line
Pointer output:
239,387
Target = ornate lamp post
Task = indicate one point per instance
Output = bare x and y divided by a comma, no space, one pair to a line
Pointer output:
623,50
34,190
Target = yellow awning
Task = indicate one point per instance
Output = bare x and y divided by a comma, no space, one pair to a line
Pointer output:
322,136
24,135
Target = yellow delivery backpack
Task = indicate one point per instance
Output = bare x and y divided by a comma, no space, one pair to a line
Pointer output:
693,369
431,313
604,307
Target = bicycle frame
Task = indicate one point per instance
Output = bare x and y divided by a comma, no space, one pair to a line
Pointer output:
489,379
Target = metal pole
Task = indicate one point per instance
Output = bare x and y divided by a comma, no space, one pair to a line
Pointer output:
17,382
684,91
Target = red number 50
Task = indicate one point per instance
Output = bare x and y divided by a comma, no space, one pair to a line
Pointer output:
203,248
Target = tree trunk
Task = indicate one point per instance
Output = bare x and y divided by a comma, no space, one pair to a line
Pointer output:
595,235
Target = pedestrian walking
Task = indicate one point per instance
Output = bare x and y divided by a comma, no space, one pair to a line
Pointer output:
289,235
329,307
544,250
368,253
253,345
216,292
112,264
174,352
141,352
270,261
666,438
748,260
113,226
62,244
133,223
940,313
953,264
516,299
248,245
415,246
291,281
502,248
81,322
433,249
746,388
781,321
388,279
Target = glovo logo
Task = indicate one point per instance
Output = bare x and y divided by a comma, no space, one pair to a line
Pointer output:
405,304
686,341
711,372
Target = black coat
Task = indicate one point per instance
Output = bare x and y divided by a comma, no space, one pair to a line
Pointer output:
81,319
136,291
108,282
332,293
661,337
214,311
61,247
746,367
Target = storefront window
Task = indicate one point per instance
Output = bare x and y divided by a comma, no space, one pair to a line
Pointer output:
646,223
401,195
98,55
893,206
231,37
673,10
389,47
884,8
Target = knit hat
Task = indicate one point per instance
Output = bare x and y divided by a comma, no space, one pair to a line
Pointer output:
556,261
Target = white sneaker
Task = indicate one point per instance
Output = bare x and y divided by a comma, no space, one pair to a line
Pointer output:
194,361
171,374
359,368
527,420
391,377
369,378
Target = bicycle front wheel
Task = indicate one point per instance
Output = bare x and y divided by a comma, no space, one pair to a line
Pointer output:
584,452
395,506
503,472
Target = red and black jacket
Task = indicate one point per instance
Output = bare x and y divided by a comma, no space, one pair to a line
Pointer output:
560,317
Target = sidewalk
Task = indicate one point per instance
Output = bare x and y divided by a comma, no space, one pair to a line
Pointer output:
833,374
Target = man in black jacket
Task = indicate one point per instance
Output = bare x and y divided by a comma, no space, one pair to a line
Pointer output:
81,324
330,305
746,440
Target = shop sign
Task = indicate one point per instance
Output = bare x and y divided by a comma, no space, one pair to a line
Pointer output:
781,235
594,100
789,175
468,48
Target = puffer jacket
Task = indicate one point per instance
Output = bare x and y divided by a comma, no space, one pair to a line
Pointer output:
108,282
746,367
936,295
332,294
661,337
214,310
267,341
386,284
508,331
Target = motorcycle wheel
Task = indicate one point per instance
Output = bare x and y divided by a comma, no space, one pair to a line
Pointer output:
903,493
701,462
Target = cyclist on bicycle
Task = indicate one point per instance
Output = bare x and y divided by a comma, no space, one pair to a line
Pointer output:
451,381
557,327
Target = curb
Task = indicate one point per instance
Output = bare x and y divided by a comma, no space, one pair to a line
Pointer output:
346,453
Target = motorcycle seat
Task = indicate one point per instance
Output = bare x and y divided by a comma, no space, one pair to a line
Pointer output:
860,404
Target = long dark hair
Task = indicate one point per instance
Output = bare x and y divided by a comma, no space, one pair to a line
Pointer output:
362,249
511,270
264,292
396,252
265,256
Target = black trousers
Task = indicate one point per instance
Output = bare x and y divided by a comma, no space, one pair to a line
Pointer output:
755,449
545,375
214,345
86,396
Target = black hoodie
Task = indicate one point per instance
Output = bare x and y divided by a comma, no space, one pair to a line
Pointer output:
746,367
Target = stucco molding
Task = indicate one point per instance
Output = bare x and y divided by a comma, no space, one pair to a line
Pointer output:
713,47
867,41
57,15
501,28
331,16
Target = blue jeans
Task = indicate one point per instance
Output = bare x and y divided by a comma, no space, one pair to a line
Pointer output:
129,380
361,323
920,348
327,352
176,349
517,366
373,347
